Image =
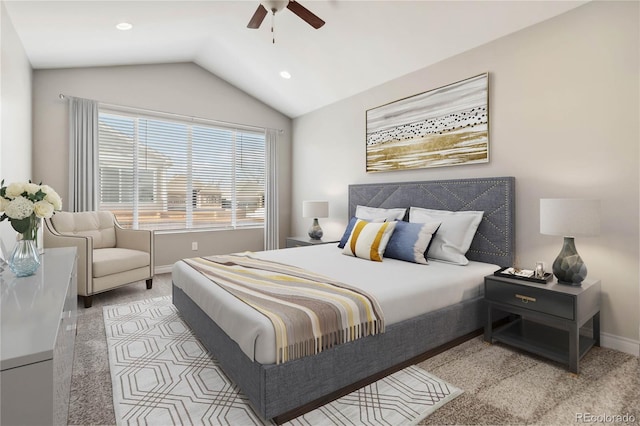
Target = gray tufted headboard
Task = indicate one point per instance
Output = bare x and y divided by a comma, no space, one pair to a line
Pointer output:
495,239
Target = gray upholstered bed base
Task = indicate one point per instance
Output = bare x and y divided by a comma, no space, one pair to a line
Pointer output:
277,389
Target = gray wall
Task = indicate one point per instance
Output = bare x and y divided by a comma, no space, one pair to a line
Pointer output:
183,89
15,119
564,121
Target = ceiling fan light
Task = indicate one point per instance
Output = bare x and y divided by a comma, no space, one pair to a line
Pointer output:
275,5
124,26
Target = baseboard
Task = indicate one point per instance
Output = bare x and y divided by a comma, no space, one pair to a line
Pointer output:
621,344
164,269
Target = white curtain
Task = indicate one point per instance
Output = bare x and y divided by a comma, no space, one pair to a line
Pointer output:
271,229
83,155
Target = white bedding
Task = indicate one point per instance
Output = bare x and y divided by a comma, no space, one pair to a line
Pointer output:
403,290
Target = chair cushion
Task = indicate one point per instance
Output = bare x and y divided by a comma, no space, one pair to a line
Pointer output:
108,261
98,225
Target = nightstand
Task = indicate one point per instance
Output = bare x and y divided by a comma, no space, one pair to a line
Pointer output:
305,241
549,317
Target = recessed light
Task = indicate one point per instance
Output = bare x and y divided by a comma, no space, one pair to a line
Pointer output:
124,26
285,74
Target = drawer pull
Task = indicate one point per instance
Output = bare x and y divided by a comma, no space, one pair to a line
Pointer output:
525,299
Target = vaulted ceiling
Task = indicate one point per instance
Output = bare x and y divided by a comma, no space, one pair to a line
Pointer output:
363,43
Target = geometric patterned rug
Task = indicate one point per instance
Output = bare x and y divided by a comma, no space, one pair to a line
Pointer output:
162,375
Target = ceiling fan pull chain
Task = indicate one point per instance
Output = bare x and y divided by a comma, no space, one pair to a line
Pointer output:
273,24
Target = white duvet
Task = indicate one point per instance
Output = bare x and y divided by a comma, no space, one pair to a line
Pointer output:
403,290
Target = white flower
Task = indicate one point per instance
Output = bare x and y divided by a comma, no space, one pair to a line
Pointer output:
15,190
43,209
19,208
31,188
52,197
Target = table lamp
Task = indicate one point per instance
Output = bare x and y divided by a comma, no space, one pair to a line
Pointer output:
569,218
315,209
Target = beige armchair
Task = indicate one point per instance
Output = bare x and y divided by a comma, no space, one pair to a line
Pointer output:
109,256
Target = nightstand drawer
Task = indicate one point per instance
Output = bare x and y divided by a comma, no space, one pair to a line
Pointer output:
527,297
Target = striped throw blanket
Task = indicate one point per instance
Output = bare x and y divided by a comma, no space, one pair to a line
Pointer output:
309,312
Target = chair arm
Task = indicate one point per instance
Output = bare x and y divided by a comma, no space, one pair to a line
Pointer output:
84,249
135,239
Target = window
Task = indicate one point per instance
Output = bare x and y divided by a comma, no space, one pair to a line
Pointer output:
167,174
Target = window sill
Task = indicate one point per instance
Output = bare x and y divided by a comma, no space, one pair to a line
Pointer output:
204,230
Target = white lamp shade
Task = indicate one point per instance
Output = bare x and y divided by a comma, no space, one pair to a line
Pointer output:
569,217
315,209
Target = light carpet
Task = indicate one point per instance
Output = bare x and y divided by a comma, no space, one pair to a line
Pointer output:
505,386
162,375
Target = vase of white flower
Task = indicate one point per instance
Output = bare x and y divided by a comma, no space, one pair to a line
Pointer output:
24,259
24,205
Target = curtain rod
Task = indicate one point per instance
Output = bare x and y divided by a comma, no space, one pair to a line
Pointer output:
171,114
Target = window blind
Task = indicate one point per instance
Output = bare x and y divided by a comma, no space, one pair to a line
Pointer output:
166,174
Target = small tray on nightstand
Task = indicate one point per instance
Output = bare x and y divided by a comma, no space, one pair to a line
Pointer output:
501,273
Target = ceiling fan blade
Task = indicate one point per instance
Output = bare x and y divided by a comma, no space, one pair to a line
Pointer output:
305,14
257,18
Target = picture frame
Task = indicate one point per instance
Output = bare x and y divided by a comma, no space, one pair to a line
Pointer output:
445,126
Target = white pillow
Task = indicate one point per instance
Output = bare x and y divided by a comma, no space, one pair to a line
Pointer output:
368,240
452,240
375,214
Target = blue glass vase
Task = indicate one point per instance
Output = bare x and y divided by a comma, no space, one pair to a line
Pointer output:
24,260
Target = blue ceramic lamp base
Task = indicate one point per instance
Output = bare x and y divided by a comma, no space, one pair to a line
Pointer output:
568,266
315,232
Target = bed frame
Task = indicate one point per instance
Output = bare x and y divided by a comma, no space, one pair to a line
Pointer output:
284,391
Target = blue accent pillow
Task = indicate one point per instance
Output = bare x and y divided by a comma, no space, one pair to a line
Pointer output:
347,232
410,241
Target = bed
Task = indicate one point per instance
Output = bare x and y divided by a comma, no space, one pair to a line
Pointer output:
284,390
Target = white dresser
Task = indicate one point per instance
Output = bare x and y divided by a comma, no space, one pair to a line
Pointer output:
38,317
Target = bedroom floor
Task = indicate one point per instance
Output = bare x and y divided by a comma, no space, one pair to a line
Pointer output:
505,386
91,395
501,385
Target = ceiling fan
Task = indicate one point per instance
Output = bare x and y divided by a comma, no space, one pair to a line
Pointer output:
276,6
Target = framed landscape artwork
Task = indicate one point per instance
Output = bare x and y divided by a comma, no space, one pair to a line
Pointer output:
442,127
